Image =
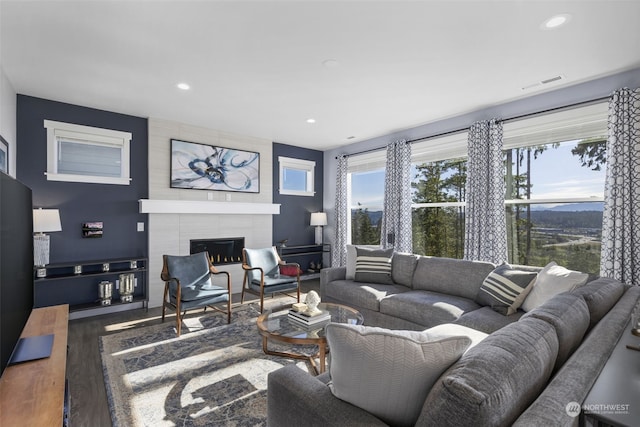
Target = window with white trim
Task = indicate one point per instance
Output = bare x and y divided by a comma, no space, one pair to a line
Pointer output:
77,153
439,168
296,176
555,172
365,192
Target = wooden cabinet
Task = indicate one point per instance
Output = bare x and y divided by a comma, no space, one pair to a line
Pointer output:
77,284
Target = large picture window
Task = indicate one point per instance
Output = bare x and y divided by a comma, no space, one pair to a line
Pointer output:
555,172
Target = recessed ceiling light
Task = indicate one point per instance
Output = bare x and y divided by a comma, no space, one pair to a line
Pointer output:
330,63
311,120
556,21
183,86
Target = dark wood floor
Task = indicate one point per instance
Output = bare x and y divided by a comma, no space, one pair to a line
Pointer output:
89,405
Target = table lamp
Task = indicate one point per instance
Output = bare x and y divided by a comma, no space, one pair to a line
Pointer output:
318,219
44,221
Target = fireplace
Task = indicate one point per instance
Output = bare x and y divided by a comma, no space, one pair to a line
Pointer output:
221,251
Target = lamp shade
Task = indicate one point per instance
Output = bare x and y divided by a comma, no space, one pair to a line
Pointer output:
46,220
318,218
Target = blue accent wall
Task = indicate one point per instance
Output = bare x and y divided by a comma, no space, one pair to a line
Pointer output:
295,211
115,205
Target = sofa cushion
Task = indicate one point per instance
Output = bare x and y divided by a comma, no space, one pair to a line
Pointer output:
362,295
569,315
373,266
426,308
505,288
600,295
496,380
450,276
402,268
553,279
388,373
486,320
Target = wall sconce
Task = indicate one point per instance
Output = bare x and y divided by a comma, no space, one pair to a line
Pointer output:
318,219
44,221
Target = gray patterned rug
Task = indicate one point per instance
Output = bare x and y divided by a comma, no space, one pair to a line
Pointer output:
213,375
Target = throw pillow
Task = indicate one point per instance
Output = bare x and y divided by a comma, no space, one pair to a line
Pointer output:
374,266
402,268
552,280
505,288
289,270
388,372
351,262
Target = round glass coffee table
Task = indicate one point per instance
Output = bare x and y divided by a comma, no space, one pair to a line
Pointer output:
276,326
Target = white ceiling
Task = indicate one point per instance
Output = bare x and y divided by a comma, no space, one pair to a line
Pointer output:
256,67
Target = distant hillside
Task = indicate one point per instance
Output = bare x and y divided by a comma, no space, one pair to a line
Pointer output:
565,220
565,216
572,207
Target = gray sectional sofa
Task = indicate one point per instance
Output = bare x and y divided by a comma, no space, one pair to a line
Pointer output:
521,369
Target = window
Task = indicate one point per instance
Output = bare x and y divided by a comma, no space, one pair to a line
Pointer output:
296,176
555,172
365,179
87,154
439,171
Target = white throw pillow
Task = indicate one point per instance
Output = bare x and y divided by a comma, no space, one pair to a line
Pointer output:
444,330
553,279
351,262
389,372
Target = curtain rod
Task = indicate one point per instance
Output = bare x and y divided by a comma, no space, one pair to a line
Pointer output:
510,119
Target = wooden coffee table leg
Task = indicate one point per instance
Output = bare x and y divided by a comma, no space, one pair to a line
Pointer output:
322,354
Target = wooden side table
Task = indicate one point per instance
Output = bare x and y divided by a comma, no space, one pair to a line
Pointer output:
277,327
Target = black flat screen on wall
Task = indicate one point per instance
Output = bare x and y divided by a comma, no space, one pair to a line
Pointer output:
16,263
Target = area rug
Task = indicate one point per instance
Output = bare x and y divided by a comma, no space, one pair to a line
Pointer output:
213,375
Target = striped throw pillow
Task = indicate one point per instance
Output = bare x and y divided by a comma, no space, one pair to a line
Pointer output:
373,266
505,288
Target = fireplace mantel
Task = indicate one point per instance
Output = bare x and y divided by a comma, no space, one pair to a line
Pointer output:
207,207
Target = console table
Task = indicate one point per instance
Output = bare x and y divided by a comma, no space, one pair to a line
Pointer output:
614,398
76,284
33,393
305,252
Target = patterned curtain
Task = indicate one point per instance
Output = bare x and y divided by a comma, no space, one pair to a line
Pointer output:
396,215
339,248
485,221
621,218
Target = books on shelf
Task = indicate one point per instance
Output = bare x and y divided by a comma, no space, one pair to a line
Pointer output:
323,316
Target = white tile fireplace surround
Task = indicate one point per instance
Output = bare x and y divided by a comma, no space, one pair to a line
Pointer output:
177,216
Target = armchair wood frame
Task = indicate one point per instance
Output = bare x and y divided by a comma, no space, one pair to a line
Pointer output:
246,281
166,302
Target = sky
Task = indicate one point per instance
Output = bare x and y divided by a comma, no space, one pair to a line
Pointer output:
556,173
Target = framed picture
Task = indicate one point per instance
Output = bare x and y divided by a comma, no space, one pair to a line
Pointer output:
92,229
206,167
4,155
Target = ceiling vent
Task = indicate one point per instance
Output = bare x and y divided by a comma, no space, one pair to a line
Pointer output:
544,82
